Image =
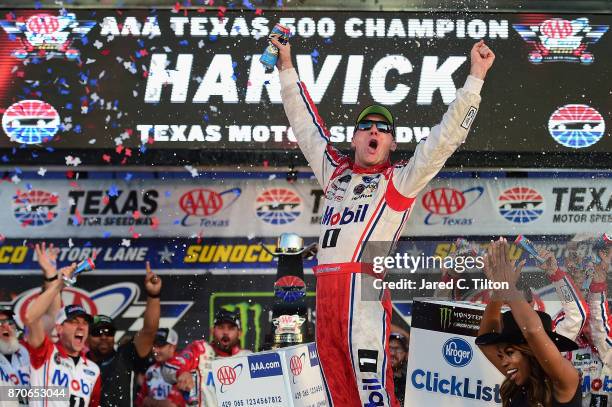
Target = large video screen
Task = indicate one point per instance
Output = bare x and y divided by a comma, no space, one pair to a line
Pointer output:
191,79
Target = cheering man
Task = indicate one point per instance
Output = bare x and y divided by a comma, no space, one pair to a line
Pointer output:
367,199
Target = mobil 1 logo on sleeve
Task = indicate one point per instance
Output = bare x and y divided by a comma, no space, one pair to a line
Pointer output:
266,365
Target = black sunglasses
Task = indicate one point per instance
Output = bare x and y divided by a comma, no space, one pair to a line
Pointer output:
103,331
381,126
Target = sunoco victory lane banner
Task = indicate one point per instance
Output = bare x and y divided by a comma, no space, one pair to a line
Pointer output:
191,79
250,209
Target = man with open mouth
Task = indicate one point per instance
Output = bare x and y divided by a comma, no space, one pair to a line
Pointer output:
62,364
367,199
14,358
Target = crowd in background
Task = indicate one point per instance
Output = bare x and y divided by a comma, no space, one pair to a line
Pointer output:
62,345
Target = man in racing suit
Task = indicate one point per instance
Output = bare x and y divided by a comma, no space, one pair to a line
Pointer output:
191,369
588,323
366,200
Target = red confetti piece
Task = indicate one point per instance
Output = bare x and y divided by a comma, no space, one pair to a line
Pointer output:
105,52
201,10
50,215
154,222
74,185
119,149
258,12
136,215
105,199
123,161
128,152
177,7
20,74
69,174
136,235
106,157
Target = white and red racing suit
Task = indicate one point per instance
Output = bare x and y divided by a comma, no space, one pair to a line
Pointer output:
363,205
52,366
587,323
197,359
14,373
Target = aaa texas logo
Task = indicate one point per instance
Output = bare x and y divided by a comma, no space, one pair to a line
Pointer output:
46,35
560,40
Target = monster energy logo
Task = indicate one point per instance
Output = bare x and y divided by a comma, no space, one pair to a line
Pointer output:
446,317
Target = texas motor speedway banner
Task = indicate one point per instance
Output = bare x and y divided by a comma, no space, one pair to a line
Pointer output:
191,79
250,209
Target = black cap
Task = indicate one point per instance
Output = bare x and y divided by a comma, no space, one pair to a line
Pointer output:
102,321
224,315
70,312
166,336
511,333
7,310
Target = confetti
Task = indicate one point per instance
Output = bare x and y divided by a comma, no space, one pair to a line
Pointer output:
70,243
126,242
42,171
113,190
74,161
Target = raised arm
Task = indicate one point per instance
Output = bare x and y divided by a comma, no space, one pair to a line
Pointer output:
143,341
560,370
432,152
600,320
47,260
574,313
33,318
308,127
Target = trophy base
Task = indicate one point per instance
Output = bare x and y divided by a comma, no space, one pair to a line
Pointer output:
288,338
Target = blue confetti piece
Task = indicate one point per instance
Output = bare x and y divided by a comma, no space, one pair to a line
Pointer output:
247,4
183,42
234,65
177,222
143,149
34,155
128,177
314,53
29,187
93,82
18,170
140,43
328,41
234,77
77,129
106,234
167,194
50,149
49,70
213,38
68,106
84,40
279,3
75,220
206,117
113,190
37,4
266,82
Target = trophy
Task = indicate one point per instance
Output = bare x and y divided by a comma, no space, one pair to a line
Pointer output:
83,267
290,316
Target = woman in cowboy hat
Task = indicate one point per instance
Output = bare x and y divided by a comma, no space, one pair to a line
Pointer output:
521,344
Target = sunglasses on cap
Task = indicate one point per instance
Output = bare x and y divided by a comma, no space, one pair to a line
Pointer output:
103,331
381,126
